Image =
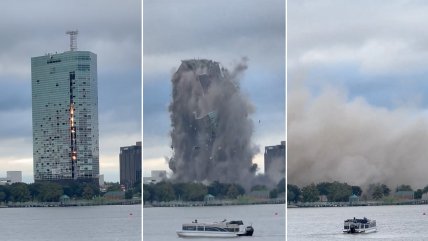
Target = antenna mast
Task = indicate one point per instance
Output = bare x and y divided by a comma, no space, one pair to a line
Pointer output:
73,39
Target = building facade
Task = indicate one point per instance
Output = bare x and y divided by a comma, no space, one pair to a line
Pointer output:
130,165
14,176
157,176
65,116
275,162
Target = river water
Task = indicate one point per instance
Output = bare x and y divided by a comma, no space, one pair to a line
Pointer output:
268,221
97,223
406,222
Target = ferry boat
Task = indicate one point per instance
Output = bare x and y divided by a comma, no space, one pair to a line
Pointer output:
221,229
356,225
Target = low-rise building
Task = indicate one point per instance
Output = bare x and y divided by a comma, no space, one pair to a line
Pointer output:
404,195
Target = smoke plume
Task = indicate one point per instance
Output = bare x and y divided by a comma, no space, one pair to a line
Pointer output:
331,138
211,125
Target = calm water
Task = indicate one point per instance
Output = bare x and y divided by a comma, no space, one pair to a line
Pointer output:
161,224
106,223
393,222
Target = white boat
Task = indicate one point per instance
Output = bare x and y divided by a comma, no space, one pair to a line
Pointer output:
356,225
221,229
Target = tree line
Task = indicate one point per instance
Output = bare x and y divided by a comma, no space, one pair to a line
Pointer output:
166,191
51,191
340,192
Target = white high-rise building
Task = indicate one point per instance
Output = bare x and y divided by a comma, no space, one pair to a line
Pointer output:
65,116
14,176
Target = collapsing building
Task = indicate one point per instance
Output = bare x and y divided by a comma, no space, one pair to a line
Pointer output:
275,162
211,129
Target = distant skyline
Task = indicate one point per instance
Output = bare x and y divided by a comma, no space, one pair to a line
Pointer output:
223,31
110,29
357,92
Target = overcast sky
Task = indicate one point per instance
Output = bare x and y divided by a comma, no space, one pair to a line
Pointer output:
224,31
112,30
357,91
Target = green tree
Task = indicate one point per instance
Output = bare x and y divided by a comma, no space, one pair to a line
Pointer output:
377,193
425,190
195,192
34,189
88,192
219,190
19,192
3,196
179,190
163,191
385,190
323,188
232,192
129,194
281,186
339,192
137,188
418,194
273,193
293,193
49,192
148,193
113,186
357,190
310,193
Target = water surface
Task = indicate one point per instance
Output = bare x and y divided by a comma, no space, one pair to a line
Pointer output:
406,222
98,223
268,221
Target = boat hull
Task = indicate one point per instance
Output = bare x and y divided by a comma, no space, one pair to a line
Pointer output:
206,234
366,230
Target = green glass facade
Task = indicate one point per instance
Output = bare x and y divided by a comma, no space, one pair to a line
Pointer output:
65,116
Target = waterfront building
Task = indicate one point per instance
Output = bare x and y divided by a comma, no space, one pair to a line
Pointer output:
4,181
156,176
101,180
130,165
404,195
275,162
14,176
65,115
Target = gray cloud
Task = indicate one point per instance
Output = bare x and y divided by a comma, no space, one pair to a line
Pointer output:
111,29
377,37
224,31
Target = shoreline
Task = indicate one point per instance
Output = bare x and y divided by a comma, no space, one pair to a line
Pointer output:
212,203
356,204
76,203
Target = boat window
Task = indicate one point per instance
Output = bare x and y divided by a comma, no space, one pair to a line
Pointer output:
215,229
200,228
191,228
346,227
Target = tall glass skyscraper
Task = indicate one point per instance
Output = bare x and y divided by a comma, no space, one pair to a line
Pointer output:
65,116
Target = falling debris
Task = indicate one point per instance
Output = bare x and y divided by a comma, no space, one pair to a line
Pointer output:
211,129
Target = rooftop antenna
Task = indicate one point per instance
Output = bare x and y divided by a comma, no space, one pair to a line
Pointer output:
73,39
